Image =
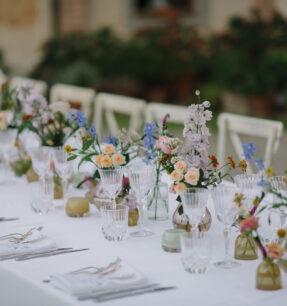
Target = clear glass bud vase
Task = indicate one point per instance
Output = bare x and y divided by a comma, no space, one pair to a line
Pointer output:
157,208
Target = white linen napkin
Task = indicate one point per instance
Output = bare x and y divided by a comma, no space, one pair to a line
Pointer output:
33,243
84,283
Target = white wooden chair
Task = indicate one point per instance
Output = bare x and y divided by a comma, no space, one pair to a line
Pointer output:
238,125
106,105
155,112
78,97
39,87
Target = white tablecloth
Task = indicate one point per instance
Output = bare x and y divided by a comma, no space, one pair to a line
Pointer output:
21,282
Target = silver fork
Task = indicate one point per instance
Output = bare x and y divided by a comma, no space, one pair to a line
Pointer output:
19,236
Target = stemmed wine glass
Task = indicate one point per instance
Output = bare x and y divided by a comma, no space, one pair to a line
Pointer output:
142,180
112,182
248,186
226,212
279,183
41,159
64,167
194,201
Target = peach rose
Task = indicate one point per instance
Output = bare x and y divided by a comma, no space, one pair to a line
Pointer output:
275,250
98,160
106,161
109,149
180,166
179,188
248,224
192,176
118,159
176,176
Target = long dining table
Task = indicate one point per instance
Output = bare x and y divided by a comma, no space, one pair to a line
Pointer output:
21,282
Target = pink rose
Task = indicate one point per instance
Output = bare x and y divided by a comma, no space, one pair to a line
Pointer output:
159,144
248,224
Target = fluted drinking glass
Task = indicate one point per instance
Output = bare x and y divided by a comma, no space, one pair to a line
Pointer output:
226,211
194,201
112,182
142,180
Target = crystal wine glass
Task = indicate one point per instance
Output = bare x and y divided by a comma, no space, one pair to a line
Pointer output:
41,159
279,183
226,212
194,201
112,182
142,180
248,186
64,167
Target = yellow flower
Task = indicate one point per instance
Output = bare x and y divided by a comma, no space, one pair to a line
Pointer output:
281,233
181,187
176,176
167,172
269,171
118,159
16,144
68,149
180,166
192,176
109,149
106,161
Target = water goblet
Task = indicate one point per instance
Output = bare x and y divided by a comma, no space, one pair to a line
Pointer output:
64,167
112,182
226,212
114,222
247,184
195,251
194,201
142,180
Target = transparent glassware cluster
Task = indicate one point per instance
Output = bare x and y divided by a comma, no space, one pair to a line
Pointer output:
114,222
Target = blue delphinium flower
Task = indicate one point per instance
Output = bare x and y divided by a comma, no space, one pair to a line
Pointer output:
111,140
149,155
149,142
150,128
248,151
71,117
258,164
81,120
92,130
262,184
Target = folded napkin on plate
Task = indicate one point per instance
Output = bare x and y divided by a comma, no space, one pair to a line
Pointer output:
33,243
83,283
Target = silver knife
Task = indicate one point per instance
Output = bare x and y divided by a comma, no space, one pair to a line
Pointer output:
14,256
49,254
96,295
8,219
132,293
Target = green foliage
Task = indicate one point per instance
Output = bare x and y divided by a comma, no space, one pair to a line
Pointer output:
251,57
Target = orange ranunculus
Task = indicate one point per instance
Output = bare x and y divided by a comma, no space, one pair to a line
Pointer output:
275,250
243,165
230,160
214,161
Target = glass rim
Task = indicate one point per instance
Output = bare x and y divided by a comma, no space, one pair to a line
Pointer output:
110,169
196,190
117,207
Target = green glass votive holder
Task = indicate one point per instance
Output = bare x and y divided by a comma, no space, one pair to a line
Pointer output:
268,276
171,240
245,248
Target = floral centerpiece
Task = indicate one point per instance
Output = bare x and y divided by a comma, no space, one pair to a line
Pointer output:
187,161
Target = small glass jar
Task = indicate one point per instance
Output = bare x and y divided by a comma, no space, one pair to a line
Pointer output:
245,248
157,208
268,276
133,217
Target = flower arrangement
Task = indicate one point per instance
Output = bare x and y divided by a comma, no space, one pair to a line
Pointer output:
49,122
114,152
